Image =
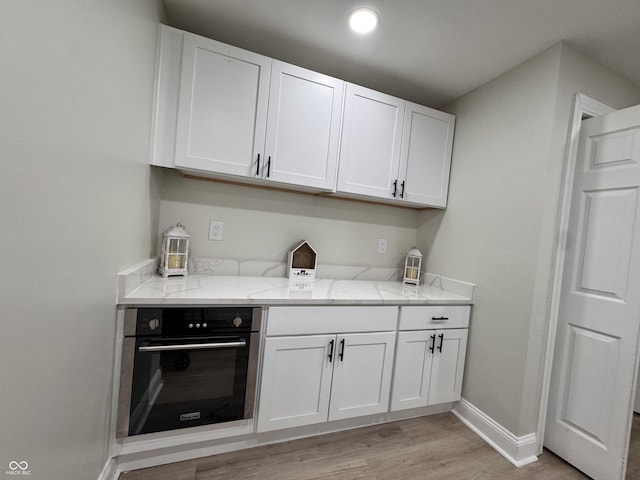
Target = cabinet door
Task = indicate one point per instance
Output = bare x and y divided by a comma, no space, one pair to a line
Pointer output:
296,381
370,147
447,366
222,109
426,155
303,127
412,369
362,375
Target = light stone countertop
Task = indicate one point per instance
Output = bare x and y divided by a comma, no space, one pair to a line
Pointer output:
258,290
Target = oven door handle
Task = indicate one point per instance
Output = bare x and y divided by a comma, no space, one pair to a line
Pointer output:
191,346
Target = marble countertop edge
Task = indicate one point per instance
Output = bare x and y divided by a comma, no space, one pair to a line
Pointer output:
195,302
271,291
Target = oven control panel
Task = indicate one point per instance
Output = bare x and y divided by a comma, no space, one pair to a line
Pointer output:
180,321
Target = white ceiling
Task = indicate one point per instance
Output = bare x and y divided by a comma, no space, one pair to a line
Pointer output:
428,51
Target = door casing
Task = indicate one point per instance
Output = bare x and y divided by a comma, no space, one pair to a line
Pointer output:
583,107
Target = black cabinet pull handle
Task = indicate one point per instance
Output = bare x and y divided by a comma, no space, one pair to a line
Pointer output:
269,166
439,319
441,342
395,187
331,351
432,348
341,350
258,167
402,191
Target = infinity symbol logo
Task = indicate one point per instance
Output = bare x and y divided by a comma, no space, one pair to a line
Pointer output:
13,465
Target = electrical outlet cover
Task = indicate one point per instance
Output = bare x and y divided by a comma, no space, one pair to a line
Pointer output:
215,230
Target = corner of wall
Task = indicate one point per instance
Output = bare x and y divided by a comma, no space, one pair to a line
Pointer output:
488,233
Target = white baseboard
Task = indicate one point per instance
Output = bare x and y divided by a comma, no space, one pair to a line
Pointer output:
518,450
110,471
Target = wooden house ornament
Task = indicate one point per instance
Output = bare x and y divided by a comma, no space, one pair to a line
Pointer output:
302,262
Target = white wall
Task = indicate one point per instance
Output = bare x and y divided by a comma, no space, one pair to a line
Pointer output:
76,194
262,224
499,228
488,234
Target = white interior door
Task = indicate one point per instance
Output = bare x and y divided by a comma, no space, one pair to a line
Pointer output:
636,407
594,366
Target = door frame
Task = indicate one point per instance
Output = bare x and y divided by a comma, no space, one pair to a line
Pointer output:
583,107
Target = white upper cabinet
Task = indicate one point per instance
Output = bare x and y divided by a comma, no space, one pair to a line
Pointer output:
224,94
426,155
394,150
370,149
224,112
303,127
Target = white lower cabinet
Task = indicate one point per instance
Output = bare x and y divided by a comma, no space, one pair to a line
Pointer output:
316,378
296,381
327,363
429,367
447,368
361,374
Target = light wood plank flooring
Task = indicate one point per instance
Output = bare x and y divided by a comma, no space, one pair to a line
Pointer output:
437,447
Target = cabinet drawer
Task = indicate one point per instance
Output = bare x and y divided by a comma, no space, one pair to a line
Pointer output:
318,320
440,316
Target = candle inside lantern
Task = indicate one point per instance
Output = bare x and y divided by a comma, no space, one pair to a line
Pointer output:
174,261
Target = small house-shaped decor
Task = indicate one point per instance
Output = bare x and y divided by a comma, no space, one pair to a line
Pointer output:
302,262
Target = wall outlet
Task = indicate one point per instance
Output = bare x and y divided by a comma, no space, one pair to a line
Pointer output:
215,230
382,246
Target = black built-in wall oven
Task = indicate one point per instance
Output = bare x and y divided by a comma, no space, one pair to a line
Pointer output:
187,366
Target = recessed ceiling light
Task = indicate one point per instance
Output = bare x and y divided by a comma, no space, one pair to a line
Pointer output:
363,20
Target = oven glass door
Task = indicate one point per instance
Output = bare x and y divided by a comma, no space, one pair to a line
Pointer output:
180,382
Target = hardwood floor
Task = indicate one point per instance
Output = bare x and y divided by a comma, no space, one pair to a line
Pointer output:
437,447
